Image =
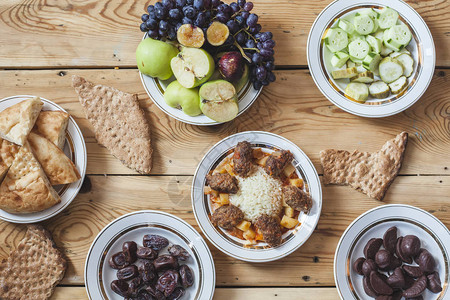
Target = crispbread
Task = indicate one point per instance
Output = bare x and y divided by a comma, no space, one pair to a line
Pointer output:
370,173
33,270
57,166
119,123
26,188
17,121
8,151
52,125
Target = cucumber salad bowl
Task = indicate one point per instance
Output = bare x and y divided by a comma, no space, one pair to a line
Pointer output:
369,59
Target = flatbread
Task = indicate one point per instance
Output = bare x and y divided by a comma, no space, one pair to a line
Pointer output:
33,269
119,123
8,151
17,121
26,188
57,166
370,173
52,125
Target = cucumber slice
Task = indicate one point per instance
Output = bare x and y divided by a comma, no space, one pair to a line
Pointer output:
390,69
360,69
347,73
355,36
395,54
376,26
379,34
339,59
358,49
379,90
368,12
374,43
371,61
391,43
350,64
357,91
336,39
365,77
364,24
399,85
388,18
385,51
400,34
356,60
346,26
407,62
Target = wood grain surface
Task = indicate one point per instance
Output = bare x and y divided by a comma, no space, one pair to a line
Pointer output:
305,118
92,33
108,197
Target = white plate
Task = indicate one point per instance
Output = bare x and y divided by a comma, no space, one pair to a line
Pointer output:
74,148
235,247
132,227
421,47
155,89
434,236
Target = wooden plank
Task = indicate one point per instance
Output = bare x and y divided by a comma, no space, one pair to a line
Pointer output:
292,107
106,33
312,265
79,293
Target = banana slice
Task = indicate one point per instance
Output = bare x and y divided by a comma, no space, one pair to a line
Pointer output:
217,33
190,36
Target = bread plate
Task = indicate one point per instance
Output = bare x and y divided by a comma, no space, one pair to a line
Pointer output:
421,49
232,245
132,227
409,220
74,148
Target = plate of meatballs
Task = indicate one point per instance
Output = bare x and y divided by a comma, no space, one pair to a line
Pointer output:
256,196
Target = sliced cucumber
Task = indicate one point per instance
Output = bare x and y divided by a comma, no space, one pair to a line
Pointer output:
399,85
360,69
364,24
390,69
339,59
365,77
368,12
346,26
374,43
385,51
355,36
391,43
358,49
347,73
395,54
379,34
336,39
407,62
400,34
356,60
357,91
379,90
388,18
350,64
371,61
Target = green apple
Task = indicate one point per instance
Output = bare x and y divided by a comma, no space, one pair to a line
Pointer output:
178,96
218,100
153,58
192,67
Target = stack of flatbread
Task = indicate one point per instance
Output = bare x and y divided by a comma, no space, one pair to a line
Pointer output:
31,157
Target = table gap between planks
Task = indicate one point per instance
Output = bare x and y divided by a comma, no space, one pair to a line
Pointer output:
44,42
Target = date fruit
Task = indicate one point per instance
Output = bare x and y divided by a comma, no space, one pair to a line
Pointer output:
144,295
134,285
179,252
357,265
120,287
128,273
167,282
156,242
165,262
118,261
129,249
147,272
146,253
177,294
187,277
155,293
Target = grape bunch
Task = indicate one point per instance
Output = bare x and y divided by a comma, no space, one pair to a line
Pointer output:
164,18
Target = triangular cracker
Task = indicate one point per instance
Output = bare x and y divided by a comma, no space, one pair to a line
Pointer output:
17,121
8,151
26,188
370,173
34,268
52,125
57,166
119,123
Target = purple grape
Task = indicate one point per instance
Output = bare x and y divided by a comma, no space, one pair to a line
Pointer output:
144,17
241,3
257,85
153,33
189,12
187,21
266,36
261,73
175,13
158,5
269,44
252,20
269,65
168,4
181,3
266,53
171,33
250,44
245,14
265,82
200,20
215,3
163,25
150,9
161,13
256,58
143,27
271,77
178,26
232,26
225,8
222,17
248,6
161,33
151,24
258,36
198,4
229,40
190,2
235,7
239,20
241,38
254,30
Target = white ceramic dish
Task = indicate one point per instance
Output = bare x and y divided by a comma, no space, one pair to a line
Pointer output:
74,148
421,47
434,236
233,246
155,89
132,227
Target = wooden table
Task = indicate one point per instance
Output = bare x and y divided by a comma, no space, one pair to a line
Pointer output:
43,43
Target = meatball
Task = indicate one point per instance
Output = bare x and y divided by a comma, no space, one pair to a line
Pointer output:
223,183
270,229
227,216
242,158
297,198
276,163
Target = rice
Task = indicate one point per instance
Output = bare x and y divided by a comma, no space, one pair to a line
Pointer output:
258,194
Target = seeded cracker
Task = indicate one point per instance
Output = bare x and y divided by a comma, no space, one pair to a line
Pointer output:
370,173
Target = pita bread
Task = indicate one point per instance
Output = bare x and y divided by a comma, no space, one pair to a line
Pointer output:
370,173
26,188
119,123
52,125
17,121
33,269
8,151
57,166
